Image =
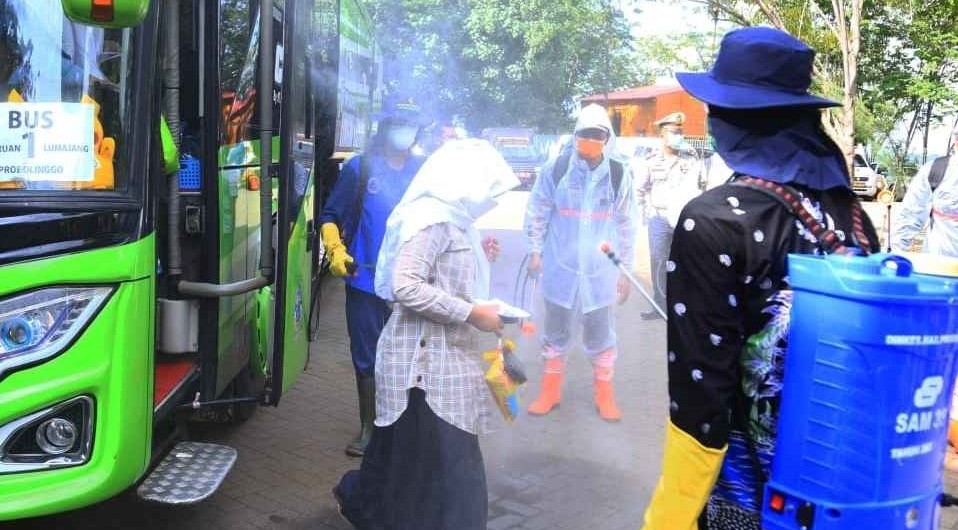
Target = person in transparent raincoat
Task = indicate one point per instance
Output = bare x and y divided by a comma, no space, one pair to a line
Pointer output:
569,215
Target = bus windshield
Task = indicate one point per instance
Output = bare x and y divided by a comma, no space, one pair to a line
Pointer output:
64,92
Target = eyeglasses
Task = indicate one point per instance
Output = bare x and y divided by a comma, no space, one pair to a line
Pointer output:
592,134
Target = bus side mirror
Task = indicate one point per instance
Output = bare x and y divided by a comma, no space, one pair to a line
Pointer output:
107,13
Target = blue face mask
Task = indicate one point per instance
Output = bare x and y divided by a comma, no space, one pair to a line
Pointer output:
675,141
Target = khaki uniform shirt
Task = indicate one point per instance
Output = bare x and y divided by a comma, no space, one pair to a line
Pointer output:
665,183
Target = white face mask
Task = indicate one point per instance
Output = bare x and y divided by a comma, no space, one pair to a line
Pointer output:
401,137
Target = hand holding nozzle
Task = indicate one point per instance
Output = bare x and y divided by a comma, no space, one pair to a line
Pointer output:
606,249
340,262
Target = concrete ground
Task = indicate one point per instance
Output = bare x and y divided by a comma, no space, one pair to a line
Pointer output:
565,471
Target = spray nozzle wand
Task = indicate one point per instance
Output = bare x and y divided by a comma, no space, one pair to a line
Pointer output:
606,249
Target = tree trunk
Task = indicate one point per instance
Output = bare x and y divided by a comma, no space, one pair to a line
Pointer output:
847,28
845,23
924,139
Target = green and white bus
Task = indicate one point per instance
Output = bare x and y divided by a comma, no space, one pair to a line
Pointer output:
161,164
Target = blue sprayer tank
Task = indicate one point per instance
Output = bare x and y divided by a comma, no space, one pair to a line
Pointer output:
865,406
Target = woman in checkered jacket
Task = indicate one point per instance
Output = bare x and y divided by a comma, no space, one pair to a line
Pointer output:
423,466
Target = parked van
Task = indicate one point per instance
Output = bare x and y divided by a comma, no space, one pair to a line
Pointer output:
867,179
517,145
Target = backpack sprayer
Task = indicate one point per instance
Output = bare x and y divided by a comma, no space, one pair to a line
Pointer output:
871,362
873,355
606,249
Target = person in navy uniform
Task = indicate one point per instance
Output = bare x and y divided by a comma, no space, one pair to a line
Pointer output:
352,225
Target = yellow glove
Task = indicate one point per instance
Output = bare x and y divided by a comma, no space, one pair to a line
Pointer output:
340,261
689,471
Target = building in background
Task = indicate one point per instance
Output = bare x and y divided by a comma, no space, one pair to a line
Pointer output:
633,110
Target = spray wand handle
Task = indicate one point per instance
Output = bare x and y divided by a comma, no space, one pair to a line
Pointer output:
606,249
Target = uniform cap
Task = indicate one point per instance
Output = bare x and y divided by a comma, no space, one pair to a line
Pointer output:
676,118
401,107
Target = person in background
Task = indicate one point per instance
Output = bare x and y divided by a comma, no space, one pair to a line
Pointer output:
728,296
352,225
581,199
665,183
931,202
423,467
715,171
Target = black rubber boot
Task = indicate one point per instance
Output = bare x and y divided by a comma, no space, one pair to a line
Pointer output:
366,386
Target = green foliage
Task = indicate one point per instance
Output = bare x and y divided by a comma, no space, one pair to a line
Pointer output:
909,67
505,62
907,62
687,52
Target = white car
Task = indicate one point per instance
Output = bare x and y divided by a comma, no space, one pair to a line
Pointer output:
866,181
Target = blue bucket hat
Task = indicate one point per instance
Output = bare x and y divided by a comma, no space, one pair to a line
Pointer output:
757,67
400,107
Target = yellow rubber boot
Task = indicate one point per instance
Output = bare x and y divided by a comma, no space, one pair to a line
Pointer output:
689,472
551,390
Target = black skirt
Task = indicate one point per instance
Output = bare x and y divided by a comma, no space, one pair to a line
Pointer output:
420,473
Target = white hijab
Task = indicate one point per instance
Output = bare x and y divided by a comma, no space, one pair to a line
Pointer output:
457,184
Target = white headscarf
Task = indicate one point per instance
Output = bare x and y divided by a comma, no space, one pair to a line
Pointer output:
457,184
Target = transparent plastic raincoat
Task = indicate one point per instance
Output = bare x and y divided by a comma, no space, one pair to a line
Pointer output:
568,218
941,205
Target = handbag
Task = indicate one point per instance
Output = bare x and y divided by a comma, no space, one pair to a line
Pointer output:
505,376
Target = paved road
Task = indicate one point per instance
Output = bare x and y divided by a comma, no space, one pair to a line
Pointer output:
567,471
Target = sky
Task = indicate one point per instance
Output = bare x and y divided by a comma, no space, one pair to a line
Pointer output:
661,18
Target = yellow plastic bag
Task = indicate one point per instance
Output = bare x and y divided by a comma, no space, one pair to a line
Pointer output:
505,389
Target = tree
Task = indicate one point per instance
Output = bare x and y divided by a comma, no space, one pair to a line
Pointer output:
666,55
833,29
506,62
887,61
910,68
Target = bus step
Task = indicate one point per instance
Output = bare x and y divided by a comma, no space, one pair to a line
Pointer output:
191,472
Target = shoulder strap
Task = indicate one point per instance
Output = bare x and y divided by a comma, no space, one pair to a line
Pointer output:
357,209
740,420
828,239
616,171
937,172
704,169
560,167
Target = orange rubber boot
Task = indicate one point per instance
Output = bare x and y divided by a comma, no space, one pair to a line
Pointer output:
605,394
550,392
605,401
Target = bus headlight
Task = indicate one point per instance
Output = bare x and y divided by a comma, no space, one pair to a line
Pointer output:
37,325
